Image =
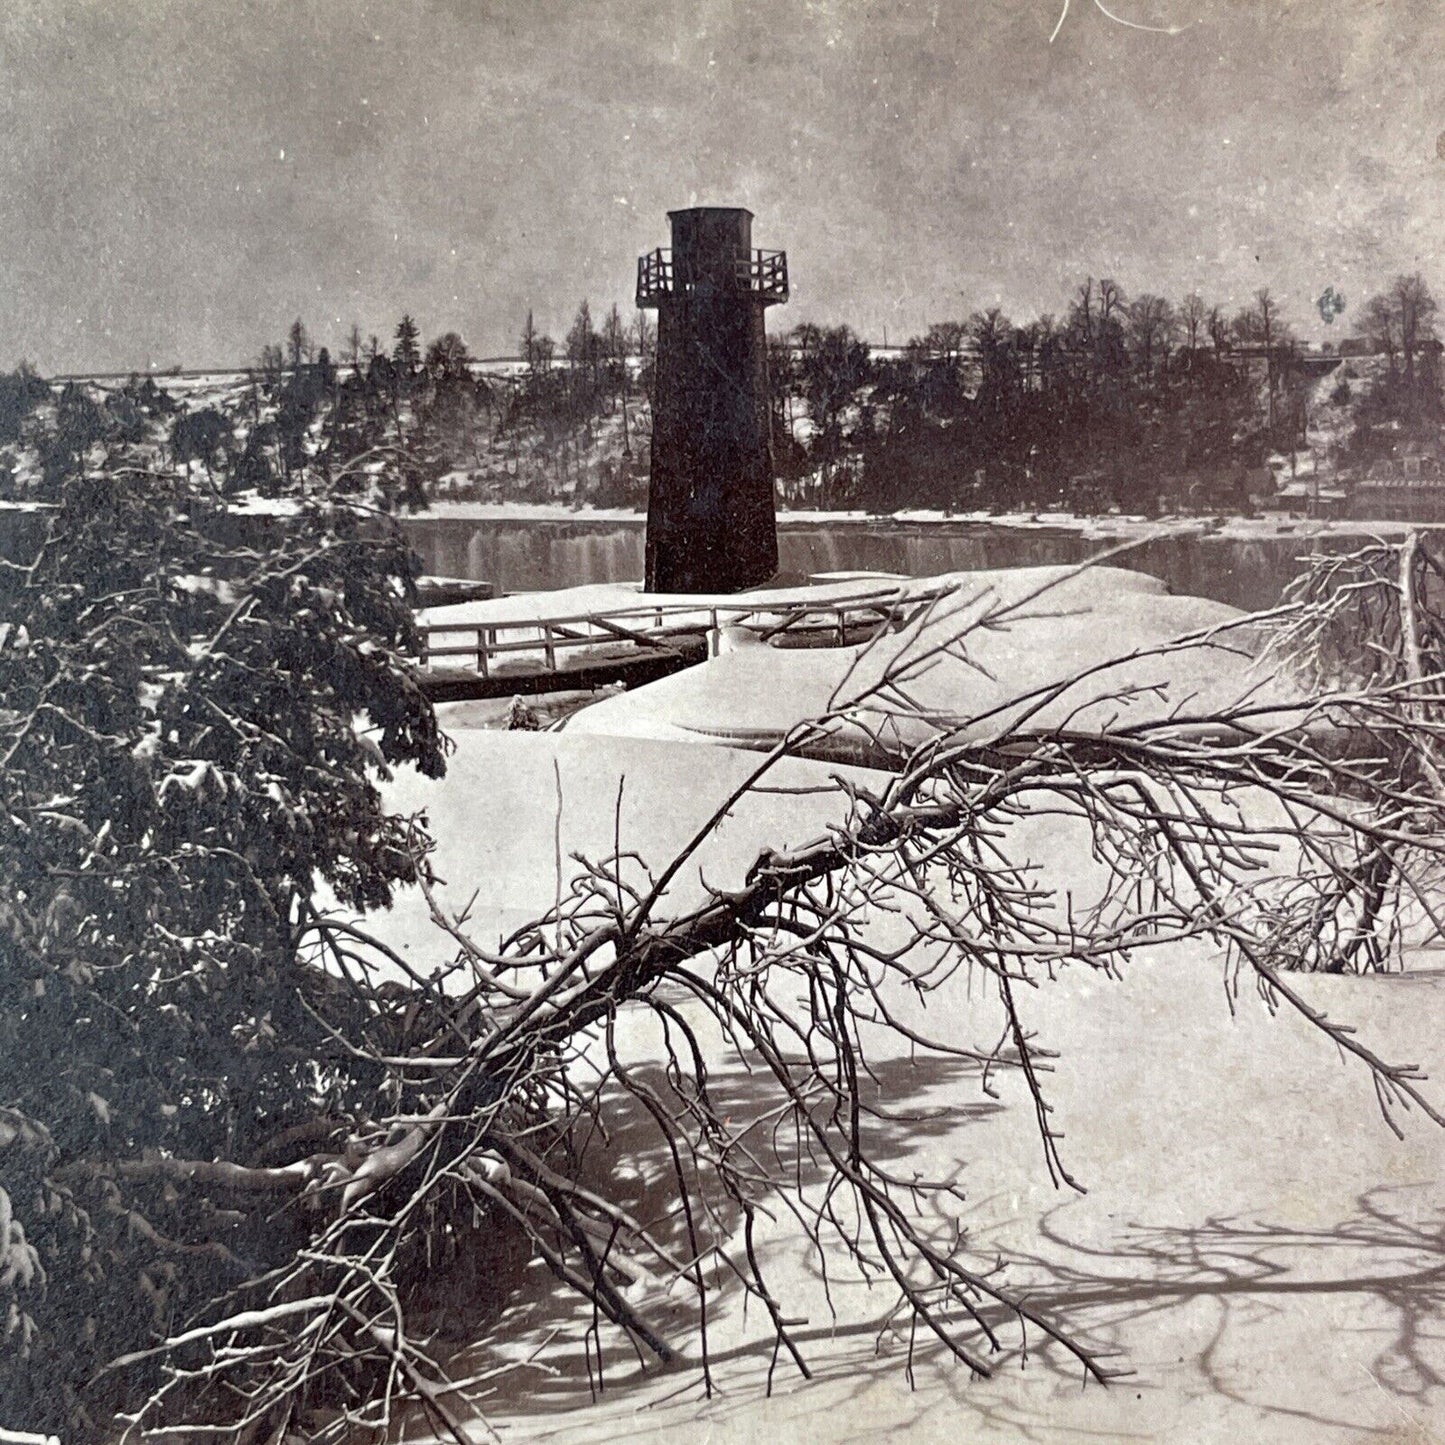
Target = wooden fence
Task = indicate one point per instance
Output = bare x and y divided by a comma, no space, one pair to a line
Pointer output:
659,626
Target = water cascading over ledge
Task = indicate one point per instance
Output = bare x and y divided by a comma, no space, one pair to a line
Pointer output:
710,520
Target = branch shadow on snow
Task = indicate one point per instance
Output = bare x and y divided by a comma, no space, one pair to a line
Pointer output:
1379,1272
635,1167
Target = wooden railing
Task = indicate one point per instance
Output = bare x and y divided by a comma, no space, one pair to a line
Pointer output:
661,625
765,274
654,276
757,273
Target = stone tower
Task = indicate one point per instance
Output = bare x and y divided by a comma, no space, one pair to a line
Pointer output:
710,520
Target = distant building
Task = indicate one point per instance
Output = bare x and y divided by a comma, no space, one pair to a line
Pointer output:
1312,498
1284,357
1410,488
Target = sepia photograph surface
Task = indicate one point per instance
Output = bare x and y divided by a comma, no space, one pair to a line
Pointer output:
722,720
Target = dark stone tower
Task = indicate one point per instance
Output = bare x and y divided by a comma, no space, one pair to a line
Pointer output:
710,522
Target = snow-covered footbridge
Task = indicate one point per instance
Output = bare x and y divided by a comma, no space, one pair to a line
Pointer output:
589,637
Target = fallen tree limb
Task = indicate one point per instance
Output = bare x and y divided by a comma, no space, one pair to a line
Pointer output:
1247,827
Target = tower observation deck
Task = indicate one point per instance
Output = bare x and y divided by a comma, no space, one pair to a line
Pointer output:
710,520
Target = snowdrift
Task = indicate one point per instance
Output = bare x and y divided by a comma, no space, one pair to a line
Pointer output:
1022,636
515,808
1265,1254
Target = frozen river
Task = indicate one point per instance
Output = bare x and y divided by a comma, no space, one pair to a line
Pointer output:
1245,563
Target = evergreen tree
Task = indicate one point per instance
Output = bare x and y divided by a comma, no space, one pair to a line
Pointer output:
182,762
298,345
406,351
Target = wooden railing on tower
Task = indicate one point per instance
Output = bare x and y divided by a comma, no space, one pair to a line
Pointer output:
762,274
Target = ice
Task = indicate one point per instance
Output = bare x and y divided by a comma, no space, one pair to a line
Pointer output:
1105,529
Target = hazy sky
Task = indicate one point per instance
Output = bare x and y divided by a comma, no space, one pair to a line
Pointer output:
180,178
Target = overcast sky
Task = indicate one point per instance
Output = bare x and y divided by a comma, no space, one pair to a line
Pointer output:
180,178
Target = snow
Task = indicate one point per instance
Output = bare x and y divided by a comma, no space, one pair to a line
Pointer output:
252,504
445,510
197,583
613,598
492,712
1258,1248
1078,620
1259,1251
515,803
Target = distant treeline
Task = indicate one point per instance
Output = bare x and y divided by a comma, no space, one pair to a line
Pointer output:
1139,403
1136,402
